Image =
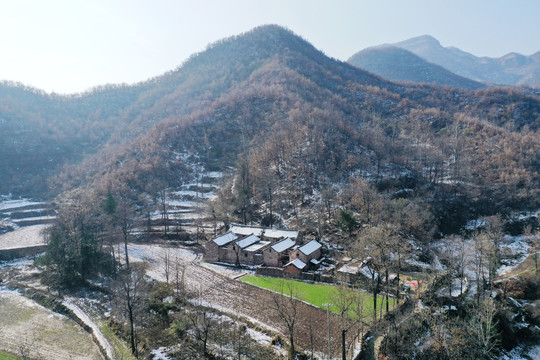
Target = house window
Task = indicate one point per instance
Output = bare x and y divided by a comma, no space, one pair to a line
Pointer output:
245,254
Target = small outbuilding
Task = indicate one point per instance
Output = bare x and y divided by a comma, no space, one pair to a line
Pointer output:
295,266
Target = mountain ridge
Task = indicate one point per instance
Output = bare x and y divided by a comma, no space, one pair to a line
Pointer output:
398,64
281,110
486,69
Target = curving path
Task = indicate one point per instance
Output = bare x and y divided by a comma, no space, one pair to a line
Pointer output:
96,331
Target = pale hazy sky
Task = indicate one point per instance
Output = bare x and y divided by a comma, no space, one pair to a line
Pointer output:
72,45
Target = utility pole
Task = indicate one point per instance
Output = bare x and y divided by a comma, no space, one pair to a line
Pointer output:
328,322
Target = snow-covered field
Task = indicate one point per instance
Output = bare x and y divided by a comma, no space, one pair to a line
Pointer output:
10,205
187,204
23,237
27,227
26,325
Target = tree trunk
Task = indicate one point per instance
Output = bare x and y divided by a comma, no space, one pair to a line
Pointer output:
132,330
343,352
375,286
387,288
126,250
292,351
397,284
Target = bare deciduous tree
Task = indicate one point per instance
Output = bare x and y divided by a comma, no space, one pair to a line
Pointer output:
131,290
126,219
483,328
179,278
166,263
286,308
373,246
344,300
202,323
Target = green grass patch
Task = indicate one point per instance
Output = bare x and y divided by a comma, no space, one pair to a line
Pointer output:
7,356
317,294
120,348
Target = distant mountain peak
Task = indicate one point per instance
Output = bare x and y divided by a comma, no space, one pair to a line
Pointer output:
398,64
511,69
271,28
425,39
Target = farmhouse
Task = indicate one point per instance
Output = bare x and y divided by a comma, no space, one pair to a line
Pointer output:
308,252
251,245
277,255
350,271
354,270
248,251
218,249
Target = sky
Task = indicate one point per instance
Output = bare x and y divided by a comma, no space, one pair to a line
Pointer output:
68,46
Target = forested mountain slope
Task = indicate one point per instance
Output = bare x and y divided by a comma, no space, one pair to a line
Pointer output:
290,122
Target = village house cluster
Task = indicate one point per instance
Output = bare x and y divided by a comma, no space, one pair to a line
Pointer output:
251,245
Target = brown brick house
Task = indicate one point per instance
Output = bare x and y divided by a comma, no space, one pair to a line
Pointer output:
277,255
248,245
307,252
217,249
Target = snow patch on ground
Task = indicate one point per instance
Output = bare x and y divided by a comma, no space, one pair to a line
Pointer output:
226,271
35,218
522,353
514,249
160,353
528,215
259,337
23,237
17,263
475,224
420,264
15,204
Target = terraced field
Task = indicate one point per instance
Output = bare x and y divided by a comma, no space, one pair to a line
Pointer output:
28,327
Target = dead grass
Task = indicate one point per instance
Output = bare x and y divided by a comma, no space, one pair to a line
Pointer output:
26,325
526,268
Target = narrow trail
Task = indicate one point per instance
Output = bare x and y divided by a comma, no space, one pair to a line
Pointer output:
98,335
373,343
